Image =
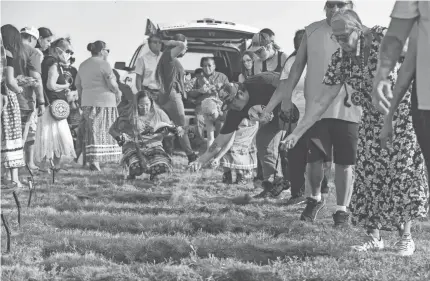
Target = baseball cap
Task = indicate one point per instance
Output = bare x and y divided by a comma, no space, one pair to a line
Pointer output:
260,40
32,31
227,93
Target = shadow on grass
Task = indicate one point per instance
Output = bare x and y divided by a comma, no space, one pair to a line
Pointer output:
187,222
162,249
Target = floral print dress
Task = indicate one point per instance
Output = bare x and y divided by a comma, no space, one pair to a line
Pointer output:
390,187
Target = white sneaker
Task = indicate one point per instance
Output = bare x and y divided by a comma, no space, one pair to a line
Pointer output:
370,244
405,246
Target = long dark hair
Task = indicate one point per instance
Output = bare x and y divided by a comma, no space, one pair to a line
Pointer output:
144,94
44,32
243,70
12,42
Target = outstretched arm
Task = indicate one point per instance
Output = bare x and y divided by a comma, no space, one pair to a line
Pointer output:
285,88
226,147
220,141
317,108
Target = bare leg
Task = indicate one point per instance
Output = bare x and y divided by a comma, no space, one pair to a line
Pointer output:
343,181
14,176
29,155
315,174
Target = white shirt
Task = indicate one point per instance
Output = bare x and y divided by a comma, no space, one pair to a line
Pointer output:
298,97
420,9
146,66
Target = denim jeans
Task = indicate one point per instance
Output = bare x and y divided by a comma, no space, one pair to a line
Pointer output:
267,141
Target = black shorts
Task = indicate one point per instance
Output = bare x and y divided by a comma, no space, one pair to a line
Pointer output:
333,137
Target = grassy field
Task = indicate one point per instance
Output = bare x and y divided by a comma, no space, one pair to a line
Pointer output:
96,226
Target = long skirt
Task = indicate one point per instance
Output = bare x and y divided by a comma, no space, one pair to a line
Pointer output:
151,160
243,153
12,152
100,146
53,138
390,187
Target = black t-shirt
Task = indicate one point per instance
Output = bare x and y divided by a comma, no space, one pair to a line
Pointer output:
171,74
47,62
259,94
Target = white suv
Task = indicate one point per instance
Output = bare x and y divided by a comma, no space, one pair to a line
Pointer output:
224,41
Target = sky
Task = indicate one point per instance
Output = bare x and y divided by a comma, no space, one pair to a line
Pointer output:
121,24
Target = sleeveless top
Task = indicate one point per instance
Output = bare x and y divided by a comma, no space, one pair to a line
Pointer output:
47,62
320,48
278,68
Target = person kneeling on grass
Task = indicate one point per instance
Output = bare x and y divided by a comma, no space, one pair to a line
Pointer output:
141,136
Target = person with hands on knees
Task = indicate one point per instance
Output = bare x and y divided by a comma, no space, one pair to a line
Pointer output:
140,134
99,94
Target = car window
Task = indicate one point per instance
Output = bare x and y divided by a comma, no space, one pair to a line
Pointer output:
190,61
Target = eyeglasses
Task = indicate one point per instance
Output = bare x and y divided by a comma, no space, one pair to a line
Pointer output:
341,38
331,5
246,61
155,42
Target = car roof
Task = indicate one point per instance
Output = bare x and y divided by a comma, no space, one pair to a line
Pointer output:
208,23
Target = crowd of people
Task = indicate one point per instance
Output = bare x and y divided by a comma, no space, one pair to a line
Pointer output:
344,96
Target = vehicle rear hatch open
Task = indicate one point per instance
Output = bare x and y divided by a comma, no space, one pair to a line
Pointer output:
208,31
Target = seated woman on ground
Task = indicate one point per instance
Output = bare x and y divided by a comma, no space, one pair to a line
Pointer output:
240,153
140,132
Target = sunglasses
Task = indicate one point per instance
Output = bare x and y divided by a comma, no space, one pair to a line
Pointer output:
341,38
107,50
66,51
340,5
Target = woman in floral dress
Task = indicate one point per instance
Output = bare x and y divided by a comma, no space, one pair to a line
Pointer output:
390,190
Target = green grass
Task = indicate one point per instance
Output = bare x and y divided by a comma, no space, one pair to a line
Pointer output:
96,226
